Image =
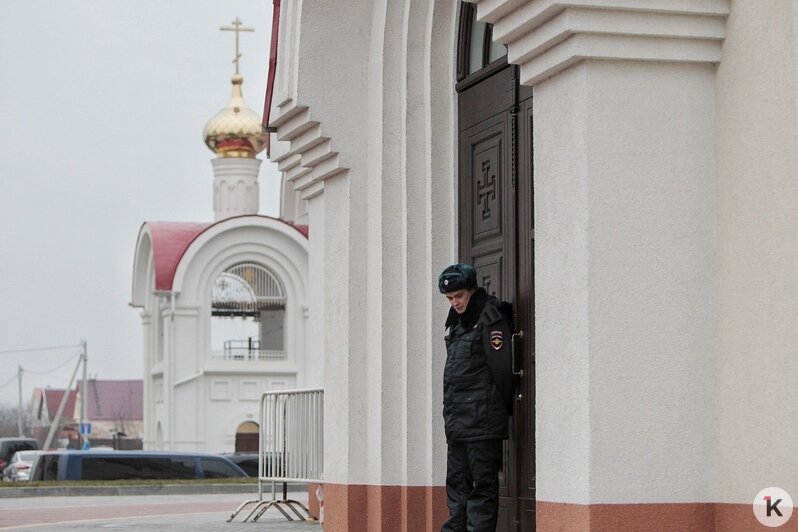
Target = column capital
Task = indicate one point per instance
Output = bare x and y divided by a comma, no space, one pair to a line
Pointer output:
544,37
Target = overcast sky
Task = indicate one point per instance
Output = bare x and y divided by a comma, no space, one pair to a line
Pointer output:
102,106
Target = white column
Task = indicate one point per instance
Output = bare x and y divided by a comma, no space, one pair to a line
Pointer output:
344,340
306,119
383,242
148,359
314,374
235,187
757,91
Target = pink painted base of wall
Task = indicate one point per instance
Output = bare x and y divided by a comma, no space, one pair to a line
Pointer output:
664,517
313,502
423,508
350,507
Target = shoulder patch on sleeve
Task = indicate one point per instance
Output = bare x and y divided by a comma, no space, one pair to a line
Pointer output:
496,339
491,314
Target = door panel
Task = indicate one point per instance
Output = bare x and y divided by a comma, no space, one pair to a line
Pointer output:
496,236
486,215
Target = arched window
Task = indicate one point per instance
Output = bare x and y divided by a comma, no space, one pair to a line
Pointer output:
475,48
248,312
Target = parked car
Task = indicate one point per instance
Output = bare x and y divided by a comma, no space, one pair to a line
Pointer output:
8,446
20,466
246,461
118,465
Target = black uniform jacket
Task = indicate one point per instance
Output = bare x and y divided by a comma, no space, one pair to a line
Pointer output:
478,384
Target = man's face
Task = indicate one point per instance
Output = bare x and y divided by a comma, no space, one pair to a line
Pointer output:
459,299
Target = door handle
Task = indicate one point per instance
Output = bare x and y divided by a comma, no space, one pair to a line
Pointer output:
516,345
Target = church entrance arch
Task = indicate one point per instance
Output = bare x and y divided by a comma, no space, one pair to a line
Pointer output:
247,437
495,215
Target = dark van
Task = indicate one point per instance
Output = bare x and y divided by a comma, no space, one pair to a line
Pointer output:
137,465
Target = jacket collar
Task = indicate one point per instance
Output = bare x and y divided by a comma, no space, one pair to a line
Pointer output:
472,312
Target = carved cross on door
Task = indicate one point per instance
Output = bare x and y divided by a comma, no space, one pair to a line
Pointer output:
486,280
486,189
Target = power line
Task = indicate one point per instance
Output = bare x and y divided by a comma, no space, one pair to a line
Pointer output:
8,382
11,351
61,365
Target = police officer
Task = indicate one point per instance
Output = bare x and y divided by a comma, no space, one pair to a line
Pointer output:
478,388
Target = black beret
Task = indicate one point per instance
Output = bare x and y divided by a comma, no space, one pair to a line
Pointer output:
457,277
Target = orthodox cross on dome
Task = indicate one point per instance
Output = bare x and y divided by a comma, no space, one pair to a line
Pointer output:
236,27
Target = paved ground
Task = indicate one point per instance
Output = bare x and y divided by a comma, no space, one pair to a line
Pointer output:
169,513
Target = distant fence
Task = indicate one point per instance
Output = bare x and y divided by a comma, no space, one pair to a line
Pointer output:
249,349
291,448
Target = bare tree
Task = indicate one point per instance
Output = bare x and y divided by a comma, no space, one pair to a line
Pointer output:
9,420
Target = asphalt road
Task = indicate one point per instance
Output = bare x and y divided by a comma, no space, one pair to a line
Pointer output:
170,513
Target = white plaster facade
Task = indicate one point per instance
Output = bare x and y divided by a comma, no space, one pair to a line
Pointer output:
664,175
756,91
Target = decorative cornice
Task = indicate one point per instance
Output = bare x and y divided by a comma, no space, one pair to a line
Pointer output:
544,37
310,158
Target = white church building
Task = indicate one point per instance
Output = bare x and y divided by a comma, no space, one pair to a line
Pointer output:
624,172
224,304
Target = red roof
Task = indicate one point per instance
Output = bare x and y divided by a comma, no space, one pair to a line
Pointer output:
114,400
53,399
170,240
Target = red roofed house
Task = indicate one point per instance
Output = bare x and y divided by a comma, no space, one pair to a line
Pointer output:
46,402
224,304
44,408
112,407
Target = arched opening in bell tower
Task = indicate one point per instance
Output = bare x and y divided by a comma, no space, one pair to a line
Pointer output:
248,313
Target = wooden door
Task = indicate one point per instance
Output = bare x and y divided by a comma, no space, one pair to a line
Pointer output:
247,437
495,216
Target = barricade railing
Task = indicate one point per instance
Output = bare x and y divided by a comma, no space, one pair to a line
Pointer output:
291,449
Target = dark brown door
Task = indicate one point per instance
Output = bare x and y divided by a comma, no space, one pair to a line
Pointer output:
247,443
496,235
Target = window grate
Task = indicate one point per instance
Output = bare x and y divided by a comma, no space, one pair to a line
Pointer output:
246,288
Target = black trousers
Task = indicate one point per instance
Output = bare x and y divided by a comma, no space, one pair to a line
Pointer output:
472,486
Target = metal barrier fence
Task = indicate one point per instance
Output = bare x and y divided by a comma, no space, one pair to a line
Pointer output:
291,448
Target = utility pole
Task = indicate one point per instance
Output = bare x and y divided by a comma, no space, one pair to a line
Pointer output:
19,413
57,420
84,396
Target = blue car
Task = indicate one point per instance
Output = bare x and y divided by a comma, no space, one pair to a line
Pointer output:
136,465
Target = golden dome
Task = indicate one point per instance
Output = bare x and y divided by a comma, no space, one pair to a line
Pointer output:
236,130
